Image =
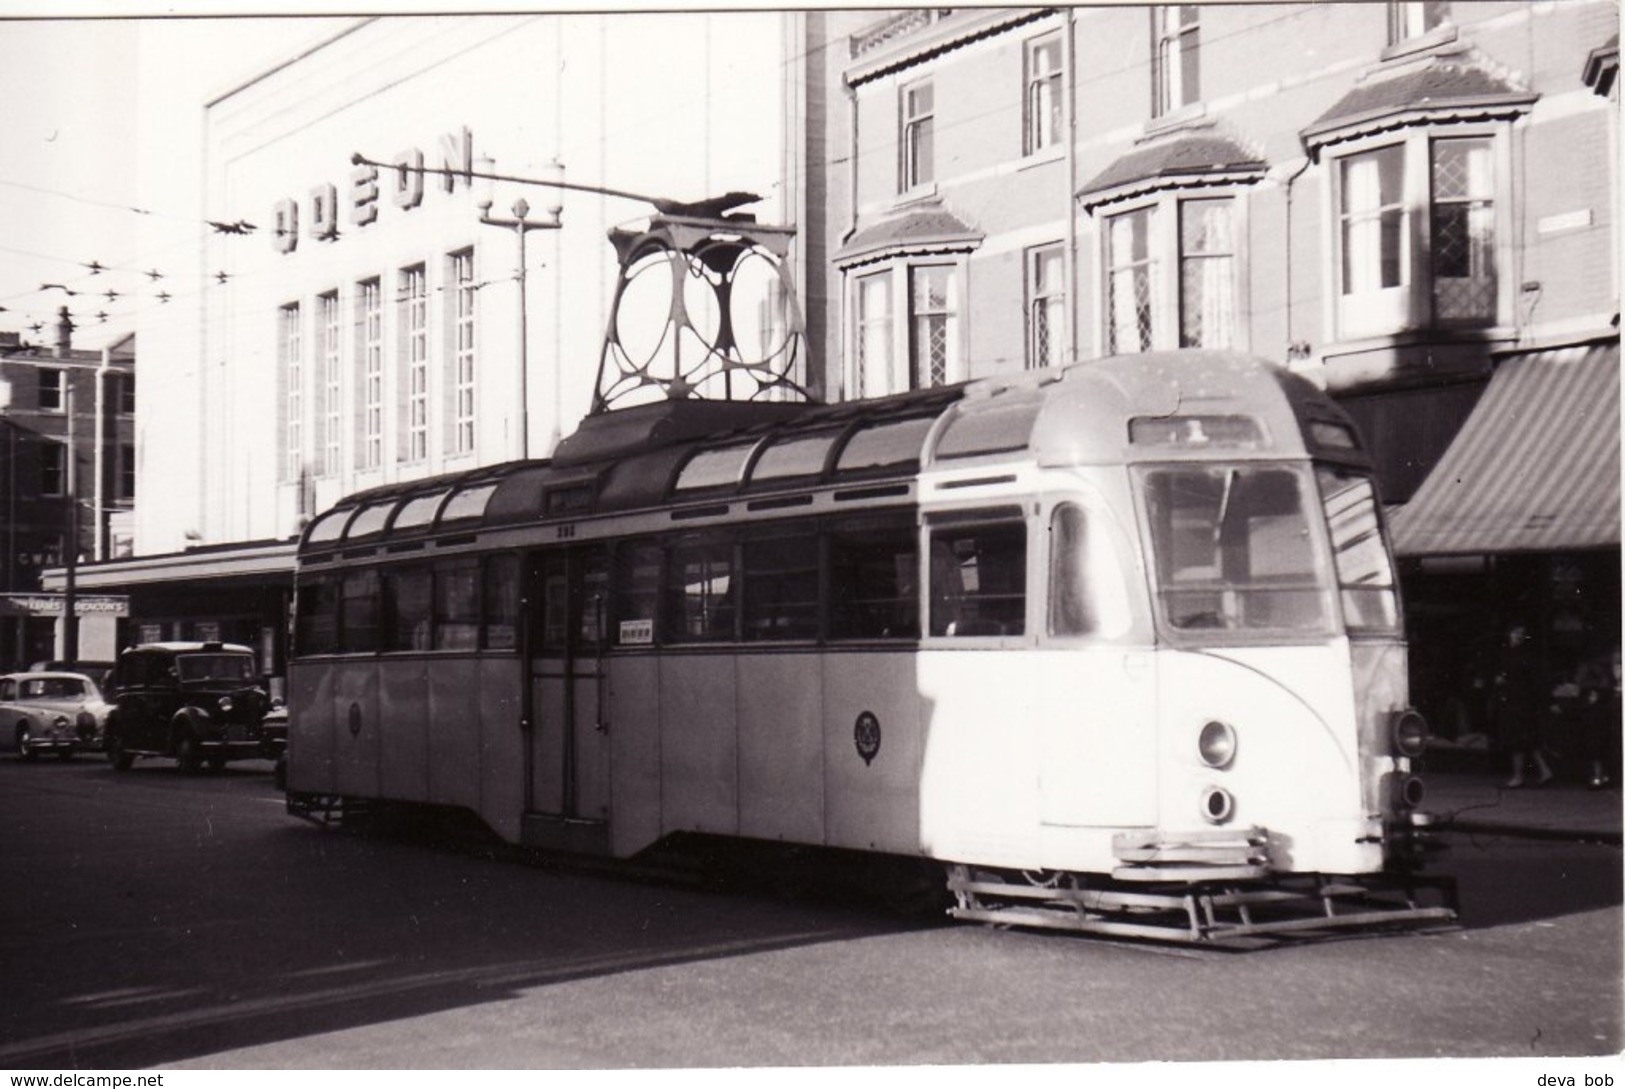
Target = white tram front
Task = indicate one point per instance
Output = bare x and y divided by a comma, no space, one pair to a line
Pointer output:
1118,643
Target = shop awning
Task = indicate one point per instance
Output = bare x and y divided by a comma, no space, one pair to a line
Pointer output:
1534,469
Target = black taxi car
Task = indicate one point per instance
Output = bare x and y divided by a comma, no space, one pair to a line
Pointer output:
194,702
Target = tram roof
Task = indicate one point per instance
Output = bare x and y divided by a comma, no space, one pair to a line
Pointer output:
674,451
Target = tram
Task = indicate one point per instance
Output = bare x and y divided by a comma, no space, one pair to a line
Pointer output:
1118,644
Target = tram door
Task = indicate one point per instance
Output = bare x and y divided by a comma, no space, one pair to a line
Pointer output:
570,754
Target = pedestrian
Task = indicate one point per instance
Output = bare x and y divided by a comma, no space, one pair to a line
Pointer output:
1519,710
1597,681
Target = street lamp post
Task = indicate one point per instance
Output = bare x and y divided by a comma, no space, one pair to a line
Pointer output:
521,225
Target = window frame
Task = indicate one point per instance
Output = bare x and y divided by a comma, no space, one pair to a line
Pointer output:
1166,260
53,468
463,362
1410,308
1039,301
1035,80
412,300
1409,23
1169,53
916,171
290,364
329,316
53,390
369,407
898,329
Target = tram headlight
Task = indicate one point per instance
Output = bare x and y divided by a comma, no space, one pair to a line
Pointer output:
1409,792
1218,805
1410,731
1217,744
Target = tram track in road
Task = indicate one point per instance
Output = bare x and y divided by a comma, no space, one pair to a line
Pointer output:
492,981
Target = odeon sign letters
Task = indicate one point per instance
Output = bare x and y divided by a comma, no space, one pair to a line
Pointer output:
406,192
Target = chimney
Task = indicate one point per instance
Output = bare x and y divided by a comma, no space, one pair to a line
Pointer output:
64,334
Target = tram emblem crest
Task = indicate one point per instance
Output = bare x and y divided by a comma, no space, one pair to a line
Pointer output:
866,736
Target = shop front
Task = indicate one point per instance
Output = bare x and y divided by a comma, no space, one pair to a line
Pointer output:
1517,525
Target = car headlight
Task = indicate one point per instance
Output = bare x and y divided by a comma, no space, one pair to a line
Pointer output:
225,705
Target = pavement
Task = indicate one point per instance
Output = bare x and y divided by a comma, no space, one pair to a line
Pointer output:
1479,801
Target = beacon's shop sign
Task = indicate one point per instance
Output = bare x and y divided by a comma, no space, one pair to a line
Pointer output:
402,184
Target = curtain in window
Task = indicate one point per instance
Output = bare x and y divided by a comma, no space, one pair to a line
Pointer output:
1129,286
1207,289
872,368
1373,221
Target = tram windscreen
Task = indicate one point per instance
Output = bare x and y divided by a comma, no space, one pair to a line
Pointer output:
1234,550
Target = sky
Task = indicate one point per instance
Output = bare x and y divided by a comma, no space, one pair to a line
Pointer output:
101,153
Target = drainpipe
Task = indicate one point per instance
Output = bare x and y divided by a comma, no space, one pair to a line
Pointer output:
851,163
1071,274
1291,340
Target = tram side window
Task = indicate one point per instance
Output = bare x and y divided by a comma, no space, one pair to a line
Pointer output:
501,602
358,612
457,605
1364,572
979,579
637,589
700,593
318,611
781,588
1086,592
407,608
874,582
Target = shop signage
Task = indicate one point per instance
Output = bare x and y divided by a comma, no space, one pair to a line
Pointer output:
51,605
366,186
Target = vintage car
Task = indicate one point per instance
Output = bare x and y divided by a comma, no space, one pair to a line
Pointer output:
50,711
193,702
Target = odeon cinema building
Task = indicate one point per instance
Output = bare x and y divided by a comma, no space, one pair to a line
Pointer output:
413,268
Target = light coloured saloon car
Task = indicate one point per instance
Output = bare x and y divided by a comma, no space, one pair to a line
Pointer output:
51,712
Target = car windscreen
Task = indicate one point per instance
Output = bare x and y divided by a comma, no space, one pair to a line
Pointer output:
215,667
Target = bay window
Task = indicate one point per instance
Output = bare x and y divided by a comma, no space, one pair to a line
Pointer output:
1417,240
1172,274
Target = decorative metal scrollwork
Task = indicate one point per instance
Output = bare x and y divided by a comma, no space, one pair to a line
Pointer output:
704,308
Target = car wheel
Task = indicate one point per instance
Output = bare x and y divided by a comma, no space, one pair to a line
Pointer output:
279,774
25,742
187,756
118,755
216,763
